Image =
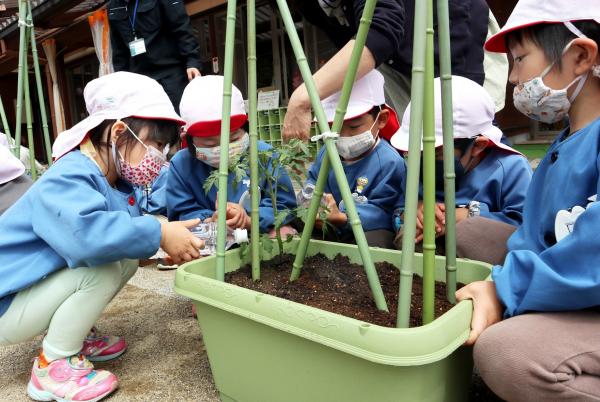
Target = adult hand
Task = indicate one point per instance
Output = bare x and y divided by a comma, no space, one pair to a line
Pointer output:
192,73
298,116
178,242
487,309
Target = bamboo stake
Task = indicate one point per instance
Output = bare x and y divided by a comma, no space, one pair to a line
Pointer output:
21,74
38,81
28,117
225,125
332,153
449,175
414,160
252,117
429,176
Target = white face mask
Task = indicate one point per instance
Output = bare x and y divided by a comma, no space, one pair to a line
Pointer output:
212,155
539,102
356,145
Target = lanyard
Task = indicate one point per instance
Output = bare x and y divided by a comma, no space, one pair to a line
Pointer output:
132,21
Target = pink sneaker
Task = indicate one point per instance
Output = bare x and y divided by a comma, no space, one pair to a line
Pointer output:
98,348
69,379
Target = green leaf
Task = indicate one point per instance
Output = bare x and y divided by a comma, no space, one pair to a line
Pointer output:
266,243
281,217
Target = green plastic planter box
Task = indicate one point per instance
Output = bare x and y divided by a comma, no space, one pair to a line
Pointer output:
264,348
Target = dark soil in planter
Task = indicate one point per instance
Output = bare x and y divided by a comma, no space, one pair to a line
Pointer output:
340,287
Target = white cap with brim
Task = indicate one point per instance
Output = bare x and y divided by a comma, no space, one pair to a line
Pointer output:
113,97
367,93
10,166
472,111
534,12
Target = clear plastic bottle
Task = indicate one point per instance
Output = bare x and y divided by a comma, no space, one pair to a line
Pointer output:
208,233
306,194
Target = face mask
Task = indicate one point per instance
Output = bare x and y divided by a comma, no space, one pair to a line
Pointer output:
355,146
539,102
212,155
144,172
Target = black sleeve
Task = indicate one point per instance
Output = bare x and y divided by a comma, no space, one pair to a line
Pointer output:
179,26
120,49
386,34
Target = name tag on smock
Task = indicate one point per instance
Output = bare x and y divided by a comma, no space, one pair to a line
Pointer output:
137,47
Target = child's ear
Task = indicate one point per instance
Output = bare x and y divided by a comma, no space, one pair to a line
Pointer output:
481,143
117,130
384,115
586,55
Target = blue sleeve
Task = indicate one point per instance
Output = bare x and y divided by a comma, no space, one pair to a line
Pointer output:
181,200
562,277
286,199
313,172
514,188
73,217
384,197
154,203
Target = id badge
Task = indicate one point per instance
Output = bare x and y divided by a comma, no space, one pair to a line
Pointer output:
137,47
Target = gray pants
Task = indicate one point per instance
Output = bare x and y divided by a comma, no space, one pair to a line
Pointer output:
396,89
477,238
542,357
11,191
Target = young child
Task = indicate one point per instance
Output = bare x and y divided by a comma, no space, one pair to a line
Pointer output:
376,173
491,178
200,107
548,288
13,180
72,241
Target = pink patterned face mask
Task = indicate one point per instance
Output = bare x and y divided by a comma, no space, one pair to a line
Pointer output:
144,172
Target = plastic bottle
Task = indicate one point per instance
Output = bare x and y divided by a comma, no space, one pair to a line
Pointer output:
208,233
306,194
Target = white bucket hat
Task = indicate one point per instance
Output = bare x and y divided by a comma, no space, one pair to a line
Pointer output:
367,92
117,96
10,166
533,12
473,111
202,106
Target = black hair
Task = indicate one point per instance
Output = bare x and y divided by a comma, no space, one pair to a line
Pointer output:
160,131
552,38
376,110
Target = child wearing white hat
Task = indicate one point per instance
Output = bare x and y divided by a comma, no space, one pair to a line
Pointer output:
201,108
13,180
491,177
547,289
375,171
72,241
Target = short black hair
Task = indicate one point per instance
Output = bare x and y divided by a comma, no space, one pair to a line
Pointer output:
552,38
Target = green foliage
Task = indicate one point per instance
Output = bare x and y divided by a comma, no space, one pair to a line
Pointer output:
291,158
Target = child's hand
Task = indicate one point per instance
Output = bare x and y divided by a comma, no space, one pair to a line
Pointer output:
334,215
461,214
285,230
440,221
236,216
487,309
178,242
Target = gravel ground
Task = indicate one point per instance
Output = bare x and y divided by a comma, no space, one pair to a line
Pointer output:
166,359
